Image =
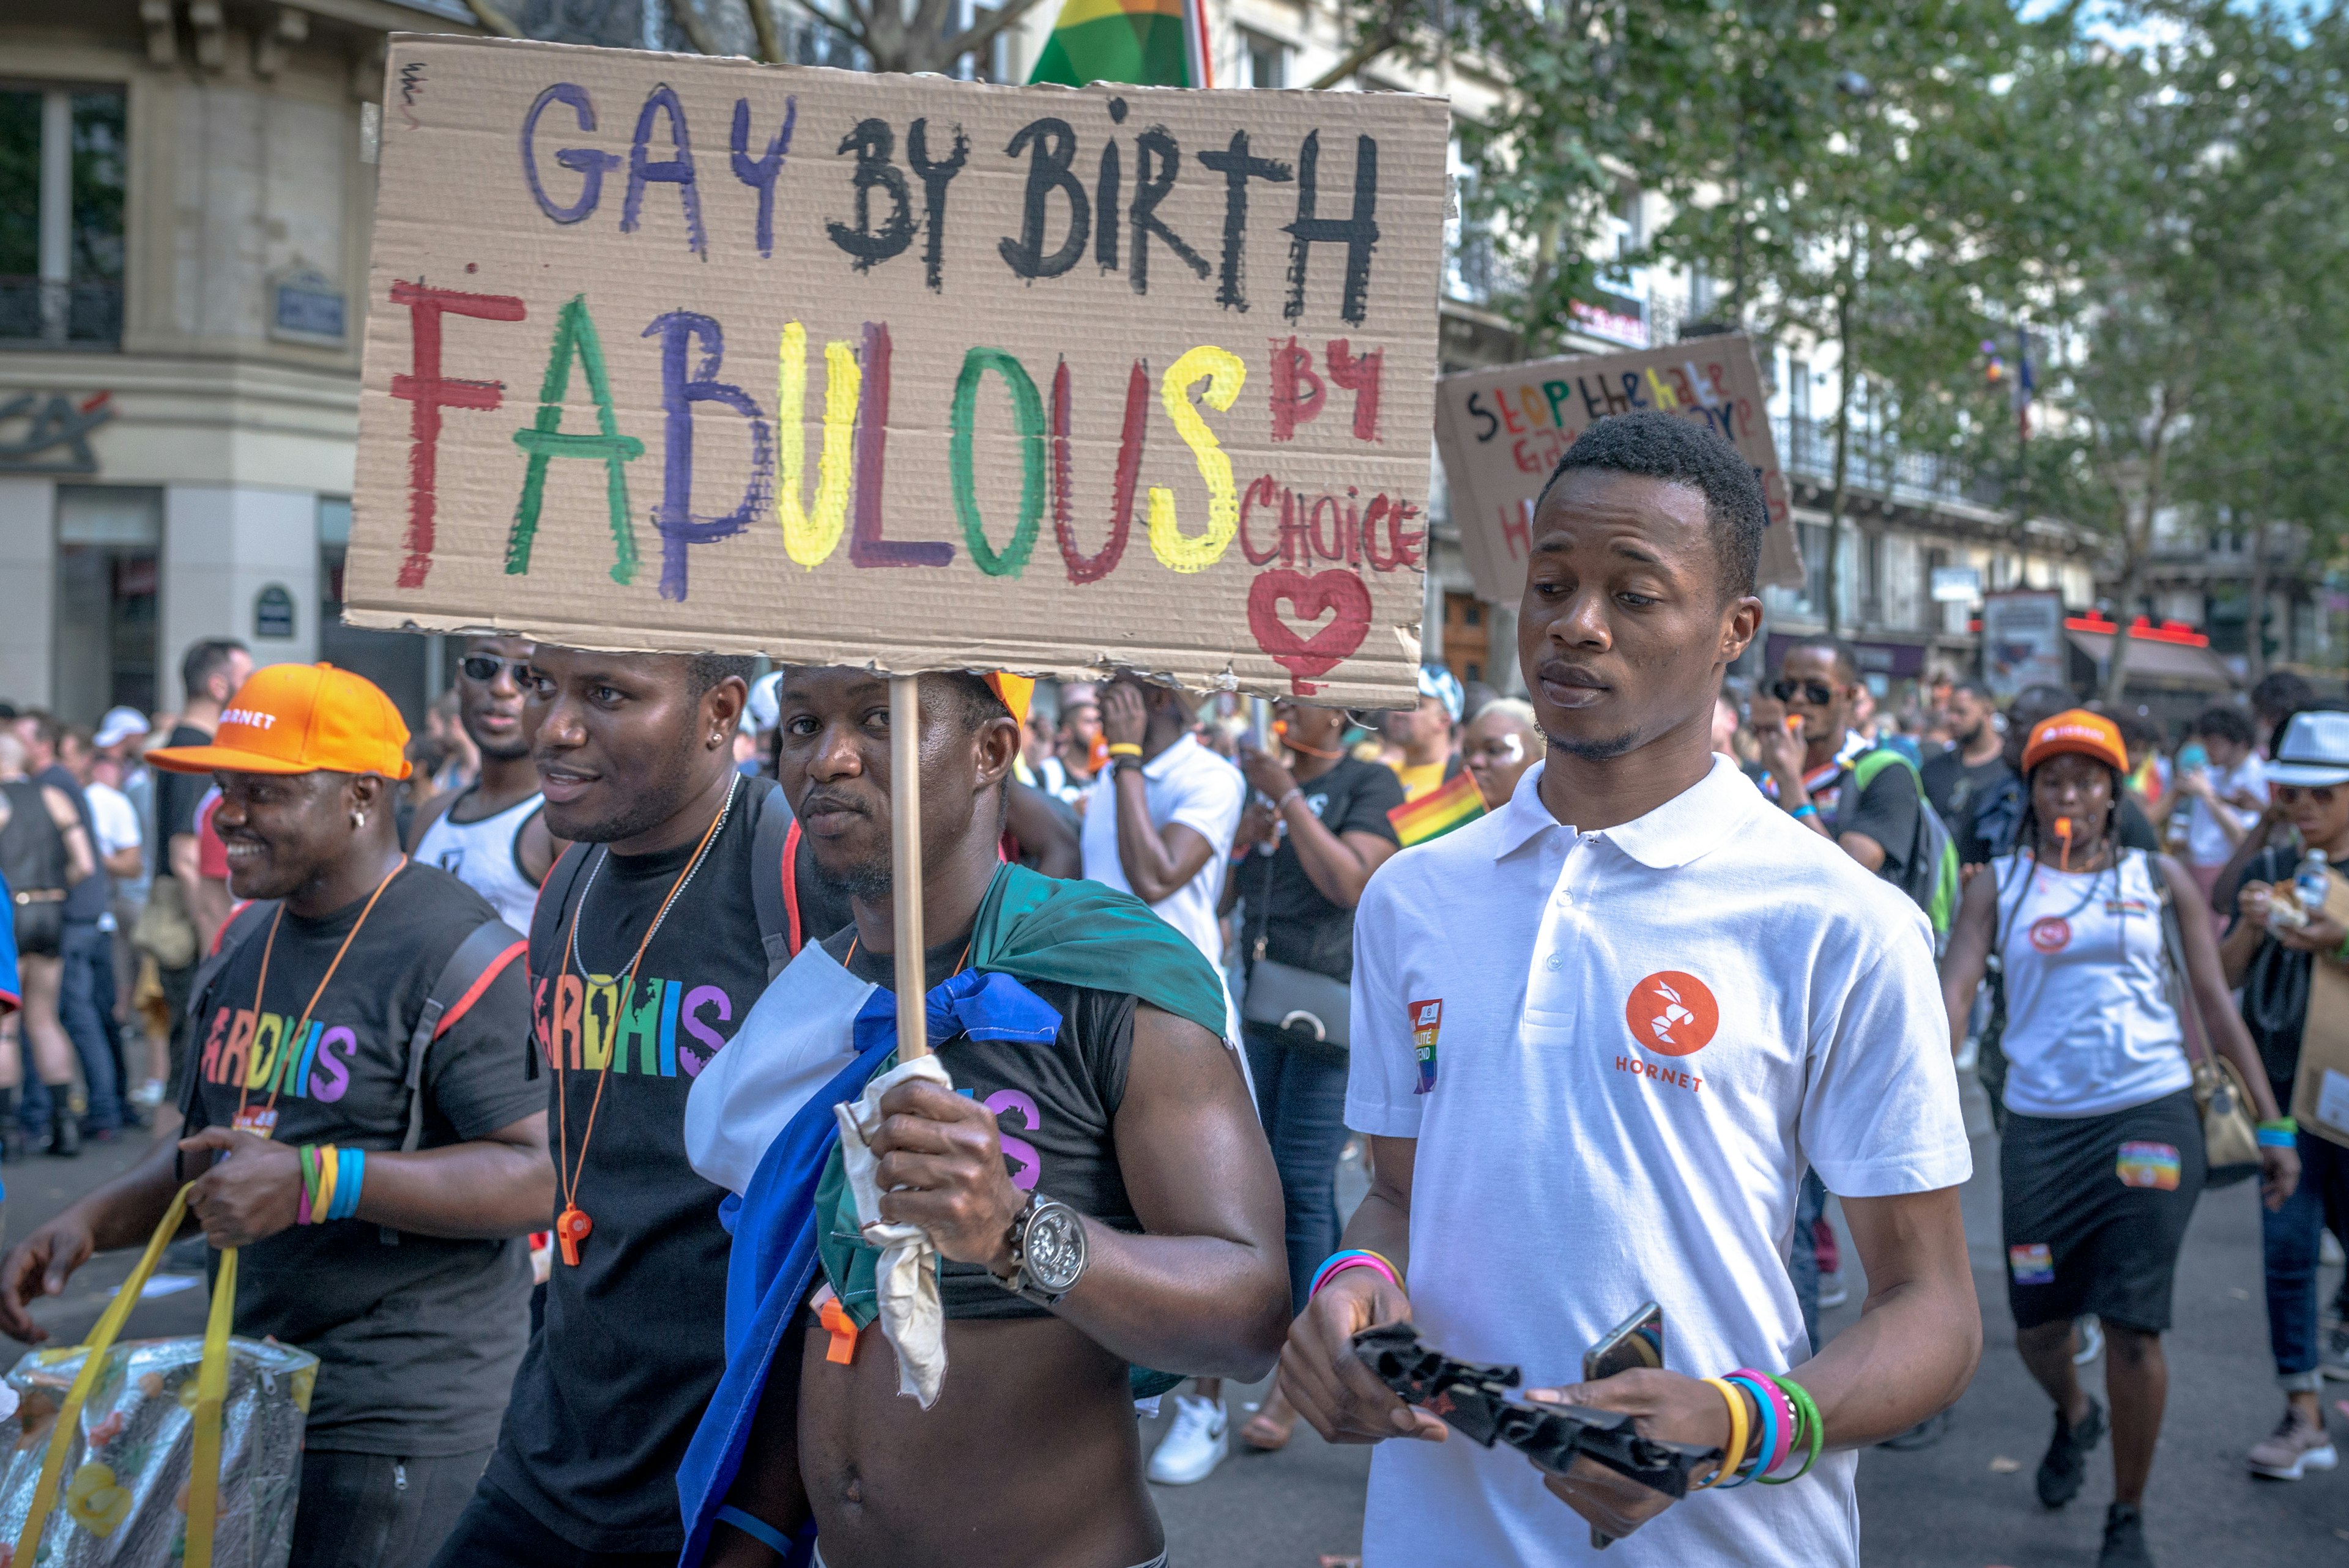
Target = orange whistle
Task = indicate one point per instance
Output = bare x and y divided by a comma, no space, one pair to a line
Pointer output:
2063,832
571,1228
843,1329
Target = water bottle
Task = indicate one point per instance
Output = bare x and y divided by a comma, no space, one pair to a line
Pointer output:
2312,881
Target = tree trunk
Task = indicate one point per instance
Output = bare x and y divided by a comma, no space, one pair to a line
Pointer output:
1842,457
2255,659
2124,614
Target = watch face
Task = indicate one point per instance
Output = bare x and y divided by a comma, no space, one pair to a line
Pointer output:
1055,1248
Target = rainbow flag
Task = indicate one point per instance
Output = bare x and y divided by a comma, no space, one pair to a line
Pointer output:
1146,43
1438,811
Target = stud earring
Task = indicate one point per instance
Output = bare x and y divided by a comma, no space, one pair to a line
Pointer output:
359,819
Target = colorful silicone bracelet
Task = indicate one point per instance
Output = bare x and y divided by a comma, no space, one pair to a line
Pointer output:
1804,810
2277,1138
307,1156
354,1177
1732,1456
1765,1442
1125,748
322,1201
1813,1425
1766,1390
1356,1258
2280,1124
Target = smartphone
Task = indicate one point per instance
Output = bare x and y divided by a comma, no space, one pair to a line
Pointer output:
1637,1341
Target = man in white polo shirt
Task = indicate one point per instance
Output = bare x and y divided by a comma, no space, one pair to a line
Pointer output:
1159,823
1597,1036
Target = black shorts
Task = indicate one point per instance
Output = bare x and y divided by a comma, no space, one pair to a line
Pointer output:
2095,1208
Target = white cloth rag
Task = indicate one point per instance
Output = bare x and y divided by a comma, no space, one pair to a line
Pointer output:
908,1280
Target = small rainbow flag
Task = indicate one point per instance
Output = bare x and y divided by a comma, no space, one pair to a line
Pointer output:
1144,43
1437,812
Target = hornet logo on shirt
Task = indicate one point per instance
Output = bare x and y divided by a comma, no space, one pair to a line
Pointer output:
1673,1013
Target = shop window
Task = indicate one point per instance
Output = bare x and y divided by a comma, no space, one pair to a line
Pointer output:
62,158
109,543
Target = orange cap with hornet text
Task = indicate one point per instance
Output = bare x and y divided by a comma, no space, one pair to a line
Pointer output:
2076,731
300,719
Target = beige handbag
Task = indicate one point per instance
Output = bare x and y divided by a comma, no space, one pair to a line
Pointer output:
164,929
2230,1139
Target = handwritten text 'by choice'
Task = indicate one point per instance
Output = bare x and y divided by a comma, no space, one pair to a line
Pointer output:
1241,408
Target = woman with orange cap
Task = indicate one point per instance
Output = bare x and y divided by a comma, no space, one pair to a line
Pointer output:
2102,1159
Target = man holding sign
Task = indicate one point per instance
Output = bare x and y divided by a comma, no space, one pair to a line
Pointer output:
1670,1000
1099,1192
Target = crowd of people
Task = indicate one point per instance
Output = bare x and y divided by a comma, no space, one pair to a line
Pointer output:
544,1067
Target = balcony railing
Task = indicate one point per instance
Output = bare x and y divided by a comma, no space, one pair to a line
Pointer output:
37,314
1806,448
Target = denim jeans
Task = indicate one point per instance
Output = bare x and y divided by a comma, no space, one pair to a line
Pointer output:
1300,1095
2290,1238
85,1006
1803,1260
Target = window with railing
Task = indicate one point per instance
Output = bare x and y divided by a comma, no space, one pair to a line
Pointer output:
61,183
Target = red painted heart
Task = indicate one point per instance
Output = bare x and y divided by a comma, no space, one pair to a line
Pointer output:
1324,591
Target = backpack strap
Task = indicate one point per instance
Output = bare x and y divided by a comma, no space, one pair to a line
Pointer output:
478,959
561,881
774,881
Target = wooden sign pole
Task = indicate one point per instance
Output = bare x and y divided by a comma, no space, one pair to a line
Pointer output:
905,862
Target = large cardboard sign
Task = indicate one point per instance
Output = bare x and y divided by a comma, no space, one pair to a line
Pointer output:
669,352
1502,431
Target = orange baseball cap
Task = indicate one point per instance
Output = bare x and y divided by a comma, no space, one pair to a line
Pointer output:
2076,731
300,719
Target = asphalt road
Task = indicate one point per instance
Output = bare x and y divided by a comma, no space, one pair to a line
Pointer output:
1966,1502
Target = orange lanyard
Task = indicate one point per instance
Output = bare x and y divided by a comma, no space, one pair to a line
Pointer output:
571,1226
264,1121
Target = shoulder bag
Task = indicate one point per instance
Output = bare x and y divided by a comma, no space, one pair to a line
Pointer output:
2230,1142
1280,996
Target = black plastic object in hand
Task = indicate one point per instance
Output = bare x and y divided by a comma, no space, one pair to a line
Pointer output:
1474,1399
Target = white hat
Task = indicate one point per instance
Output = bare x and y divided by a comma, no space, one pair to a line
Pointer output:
2314,750
118,725
764,711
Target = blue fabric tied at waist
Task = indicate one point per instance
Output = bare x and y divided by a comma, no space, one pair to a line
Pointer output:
774,1259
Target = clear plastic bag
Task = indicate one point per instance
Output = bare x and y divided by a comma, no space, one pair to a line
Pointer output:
155,1453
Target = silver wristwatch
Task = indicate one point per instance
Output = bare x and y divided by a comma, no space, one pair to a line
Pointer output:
1048,1252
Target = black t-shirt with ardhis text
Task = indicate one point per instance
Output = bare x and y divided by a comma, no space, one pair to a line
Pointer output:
417,1342
634,1341
1298,925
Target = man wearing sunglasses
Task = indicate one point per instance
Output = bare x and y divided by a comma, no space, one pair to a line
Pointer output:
492,835
1811,757
2276,964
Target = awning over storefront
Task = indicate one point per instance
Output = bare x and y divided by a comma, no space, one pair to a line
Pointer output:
2163,666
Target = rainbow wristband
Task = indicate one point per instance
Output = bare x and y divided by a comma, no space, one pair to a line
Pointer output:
1766,1440
1352,1258
1808,1410
1767,1393
2274,1137
1803,810
321,1202
308,1160
1734,1454
347,1184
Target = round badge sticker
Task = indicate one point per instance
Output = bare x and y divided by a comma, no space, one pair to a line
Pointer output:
1672,1013
2051,934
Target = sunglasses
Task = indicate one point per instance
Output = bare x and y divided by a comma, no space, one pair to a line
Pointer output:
485,667
1812,692
2290,794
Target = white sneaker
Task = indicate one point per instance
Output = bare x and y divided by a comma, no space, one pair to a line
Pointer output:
2092,1341
1199,1440
1833,1292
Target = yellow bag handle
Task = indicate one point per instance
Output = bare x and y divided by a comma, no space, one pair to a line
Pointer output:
211,1391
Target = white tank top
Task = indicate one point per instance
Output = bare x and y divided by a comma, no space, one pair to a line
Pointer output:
2089,1024
486,856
